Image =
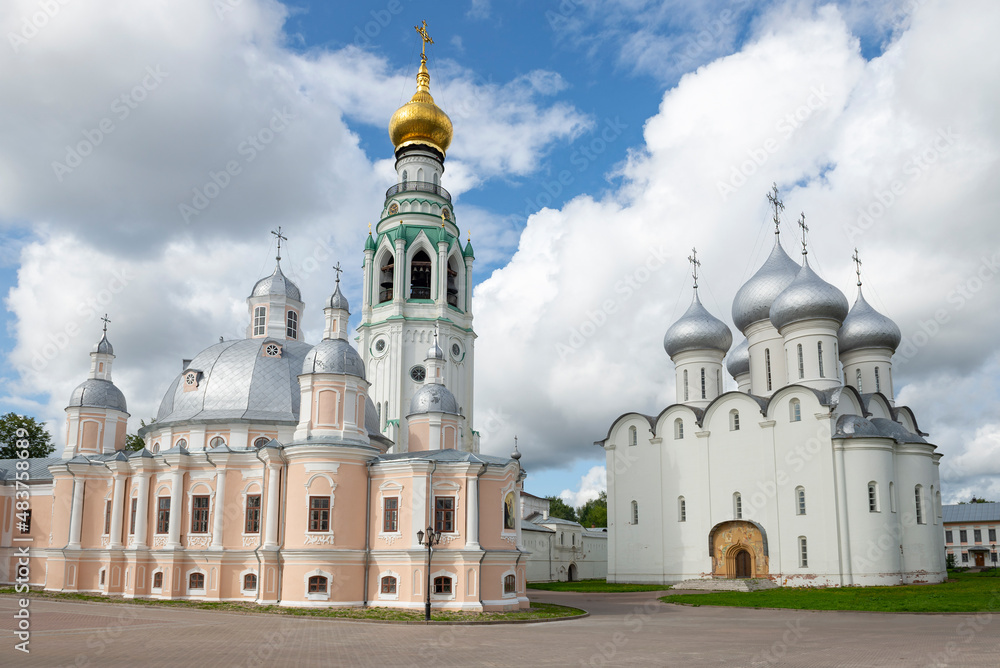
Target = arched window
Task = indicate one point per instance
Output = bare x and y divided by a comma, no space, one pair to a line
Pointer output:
803,553
509,584
156,447
802,362
158,580
918,498
436,181
933,506
858,378
878,381
873,497
635,512
734,420
388,585
718,381
800,500
678,428
317,584
685,384
196,581
633,436
259,320
703,382
442,584
292,325
217,442
819,356
937,505
682,515
260,441
181,443
738,506
250,582
386,276
452,278
420,276
405,179
892,497
767,366
794,411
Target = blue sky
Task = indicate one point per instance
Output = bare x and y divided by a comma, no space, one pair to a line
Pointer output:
590,137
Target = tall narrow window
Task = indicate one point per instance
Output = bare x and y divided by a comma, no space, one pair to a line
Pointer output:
819,356
131,519
509,584
703,394
892,497
405,178
734,420
803,553
685,384
918,494
858,383
738,506
878,381
292,325
107,517
319,513
251,520
794,410
390,515
767,366
163,514
420,276
199,514
635,512
386,277
259,320
800,501
678,428
158,580
802,362
633,436
873,497
444,514
682,515
718,381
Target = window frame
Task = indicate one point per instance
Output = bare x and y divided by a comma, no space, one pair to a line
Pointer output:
388,584
390,515
977,535
681,509
260,320
444,516
314,583
251,515
157,575
255,582
963,536
737,506
678,429
949,536
874,505
794,410
162,515
918,504
800,500
191,581
133,511
734,420
511,580
819,357
439,582
802,361
200,514
319,518
767,366
634,513
108,504
803,552
292,325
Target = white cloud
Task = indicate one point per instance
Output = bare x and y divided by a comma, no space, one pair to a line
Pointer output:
479,10
591,485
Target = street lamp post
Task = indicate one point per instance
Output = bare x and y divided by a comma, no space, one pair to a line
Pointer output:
432,539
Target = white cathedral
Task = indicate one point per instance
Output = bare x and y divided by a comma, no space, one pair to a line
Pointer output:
808,475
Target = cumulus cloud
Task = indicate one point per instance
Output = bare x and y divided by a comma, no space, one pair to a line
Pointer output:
592,484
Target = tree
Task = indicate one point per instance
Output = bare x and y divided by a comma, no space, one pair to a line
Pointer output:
561,509
134,442
38,438
594,513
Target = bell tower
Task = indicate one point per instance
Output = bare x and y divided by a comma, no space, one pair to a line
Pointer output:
417,274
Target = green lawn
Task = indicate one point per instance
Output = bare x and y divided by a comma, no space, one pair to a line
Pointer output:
964,592
595,586
537,610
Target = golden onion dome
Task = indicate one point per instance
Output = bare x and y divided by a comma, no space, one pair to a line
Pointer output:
421,121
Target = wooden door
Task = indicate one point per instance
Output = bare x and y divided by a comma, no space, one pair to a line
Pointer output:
980,559
743,564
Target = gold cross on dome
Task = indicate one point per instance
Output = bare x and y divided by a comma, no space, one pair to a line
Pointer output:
695,263
778,205
857,265
426,39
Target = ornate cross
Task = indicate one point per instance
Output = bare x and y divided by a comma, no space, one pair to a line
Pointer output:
778,205
695,263
426,39
857,265
805,228
106,320
280,238
337,269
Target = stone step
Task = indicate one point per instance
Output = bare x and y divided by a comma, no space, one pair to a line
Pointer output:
725,584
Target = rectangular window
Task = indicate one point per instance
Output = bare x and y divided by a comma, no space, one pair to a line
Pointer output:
131,517
388,585
963,536
251,520
993,535
767,366
444,514
977,535
199,514
703,383
107,517
319,513
802,362
803,553
259,320
442,585
292,325
163,514
819,354
390,516
965,557
948,537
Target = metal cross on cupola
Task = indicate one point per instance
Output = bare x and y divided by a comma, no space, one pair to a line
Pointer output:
857,265
277,234
695,263
337,269
805,229
106,320
778,205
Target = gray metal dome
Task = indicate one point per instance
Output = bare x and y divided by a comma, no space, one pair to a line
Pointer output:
864,327
753,300
97,393
338,300
433,398
334,356
103,346
435,352
806,298
697,329
738,361
276,284
855,426
238,380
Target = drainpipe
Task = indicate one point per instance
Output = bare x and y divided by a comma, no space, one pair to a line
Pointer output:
260,527
281,527
479,571
368,522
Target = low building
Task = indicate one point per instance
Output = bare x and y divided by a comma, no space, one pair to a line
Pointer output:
560,550
970,533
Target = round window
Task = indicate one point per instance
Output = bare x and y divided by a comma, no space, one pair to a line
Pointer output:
380,346
456,349
189,379
272,350
418,373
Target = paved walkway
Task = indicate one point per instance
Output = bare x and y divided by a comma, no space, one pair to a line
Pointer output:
623,630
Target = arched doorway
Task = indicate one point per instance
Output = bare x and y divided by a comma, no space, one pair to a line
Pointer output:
741,564
738,549
572,573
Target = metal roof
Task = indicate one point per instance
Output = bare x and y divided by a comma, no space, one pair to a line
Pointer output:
38,468
972,512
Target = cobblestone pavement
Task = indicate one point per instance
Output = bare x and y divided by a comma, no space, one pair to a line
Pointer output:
623,630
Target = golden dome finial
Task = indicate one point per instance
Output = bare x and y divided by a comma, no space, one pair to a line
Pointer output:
421,121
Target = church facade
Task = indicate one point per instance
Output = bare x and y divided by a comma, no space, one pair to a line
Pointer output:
299,474
808,474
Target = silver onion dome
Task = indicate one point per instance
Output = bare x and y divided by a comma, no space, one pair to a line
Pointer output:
864,327
334,356
103,346
753,300
435,352
276,284
97,393
738,361
697,329
338,300
808,297
433,398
